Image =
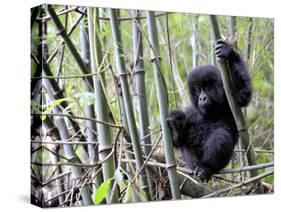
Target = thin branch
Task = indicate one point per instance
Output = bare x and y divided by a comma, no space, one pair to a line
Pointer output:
77,117
189,171
243,183
131,18
48,17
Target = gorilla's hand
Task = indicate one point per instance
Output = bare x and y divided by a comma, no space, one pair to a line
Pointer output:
176,121
223,50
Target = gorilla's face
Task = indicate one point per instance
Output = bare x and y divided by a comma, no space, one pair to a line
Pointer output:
206,90
204,101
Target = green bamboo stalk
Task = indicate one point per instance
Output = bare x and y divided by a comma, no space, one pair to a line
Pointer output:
120,65
126,137
60,181
213,43
232,29
89,109
195,53
236,110
249,39
104,132
63,33
139,76
170,60
163,105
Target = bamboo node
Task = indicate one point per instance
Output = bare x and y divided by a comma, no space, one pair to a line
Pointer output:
105,148
138,70
169,166
61,31
242,129
157,58
123,74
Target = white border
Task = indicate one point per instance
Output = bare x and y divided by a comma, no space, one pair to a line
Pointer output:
14,94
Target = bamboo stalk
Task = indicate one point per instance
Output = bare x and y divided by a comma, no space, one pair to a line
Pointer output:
69,32
249,39
163,105
104,132
63,33
120,65
236,110
139,76
232,28
194,42
59,181
90,108
170,60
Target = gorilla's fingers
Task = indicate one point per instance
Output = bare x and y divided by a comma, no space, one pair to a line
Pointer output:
221,41
218,46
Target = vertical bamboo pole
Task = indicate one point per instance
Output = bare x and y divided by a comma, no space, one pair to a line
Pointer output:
249,39
62,32
89,108
55,158
120,65
236,110
232,27
194,42
163,105
139,76
104,132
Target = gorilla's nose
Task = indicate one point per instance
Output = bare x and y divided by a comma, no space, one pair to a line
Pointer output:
203,98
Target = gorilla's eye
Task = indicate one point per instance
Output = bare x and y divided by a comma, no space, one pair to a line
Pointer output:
197,89
207,88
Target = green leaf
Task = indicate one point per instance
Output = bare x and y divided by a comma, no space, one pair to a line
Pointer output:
102,191
56,103
35,107
128,193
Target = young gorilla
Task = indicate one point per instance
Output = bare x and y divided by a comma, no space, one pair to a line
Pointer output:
206,131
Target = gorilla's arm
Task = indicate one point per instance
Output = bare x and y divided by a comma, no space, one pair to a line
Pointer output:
180,122
242,88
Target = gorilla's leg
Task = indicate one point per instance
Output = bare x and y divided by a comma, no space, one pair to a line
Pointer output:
217,151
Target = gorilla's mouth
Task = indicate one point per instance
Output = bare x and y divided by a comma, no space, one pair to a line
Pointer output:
205,108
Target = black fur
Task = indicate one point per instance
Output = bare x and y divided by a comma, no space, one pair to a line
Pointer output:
206,131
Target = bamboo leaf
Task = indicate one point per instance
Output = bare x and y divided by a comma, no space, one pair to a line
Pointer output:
128,194
102,191
56,103
35,106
